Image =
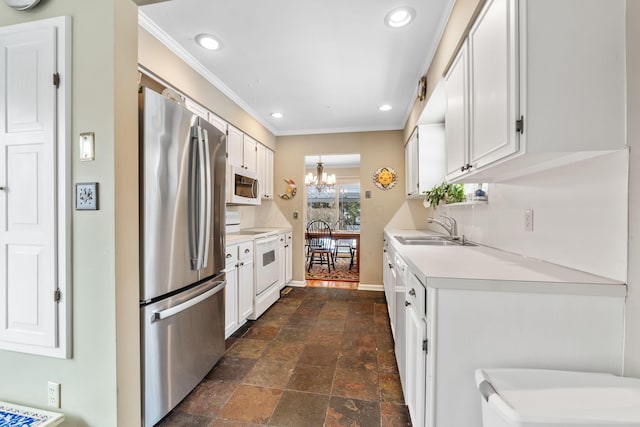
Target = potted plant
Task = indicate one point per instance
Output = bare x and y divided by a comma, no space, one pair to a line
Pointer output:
447,193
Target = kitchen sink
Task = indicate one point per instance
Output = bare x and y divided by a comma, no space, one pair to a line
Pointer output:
432,241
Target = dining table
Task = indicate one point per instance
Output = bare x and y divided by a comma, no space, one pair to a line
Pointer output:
337,235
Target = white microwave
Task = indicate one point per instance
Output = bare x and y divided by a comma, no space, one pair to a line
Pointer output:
243,187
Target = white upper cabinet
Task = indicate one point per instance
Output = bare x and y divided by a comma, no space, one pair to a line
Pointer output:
536,84
265,171
424,159
492,62
411,165
196,108
220,124
241,149
235,146
457,115
250,153
33,189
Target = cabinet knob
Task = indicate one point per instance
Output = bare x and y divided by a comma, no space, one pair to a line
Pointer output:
407,303
3,188
246,251
469,166
390,265
462,169
229,255
412,292
241,264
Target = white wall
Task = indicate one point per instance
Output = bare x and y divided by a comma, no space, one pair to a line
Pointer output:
632,347
90,392
580,216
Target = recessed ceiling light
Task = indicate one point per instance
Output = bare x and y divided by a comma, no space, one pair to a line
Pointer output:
385,107
399,17
277,115
208,41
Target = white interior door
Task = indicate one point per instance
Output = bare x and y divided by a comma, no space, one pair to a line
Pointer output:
29,188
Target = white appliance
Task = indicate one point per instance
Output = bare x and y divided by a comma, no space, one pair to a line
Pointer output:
242,186
548,398
266,265
267,274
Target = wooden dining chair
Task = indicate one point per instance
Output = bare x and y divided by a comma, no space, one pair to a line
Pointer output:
320,244
344,248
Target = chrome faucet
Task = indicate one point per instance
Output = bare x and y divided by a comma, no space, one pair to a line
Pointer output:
449,224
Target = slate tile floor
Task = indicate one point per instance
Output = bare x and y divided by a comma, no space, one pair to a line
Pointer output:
318,357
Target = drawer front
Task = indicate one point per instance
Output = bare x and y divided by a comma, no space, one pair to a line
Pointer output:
231,255
245,250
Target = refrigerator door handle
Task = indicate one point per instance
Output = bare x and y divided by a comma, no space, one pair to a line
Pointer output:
202,199
192,203
208,196
164,314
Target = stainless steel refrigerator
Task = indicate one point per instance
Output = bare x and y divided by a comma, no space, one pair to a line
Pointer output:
182,202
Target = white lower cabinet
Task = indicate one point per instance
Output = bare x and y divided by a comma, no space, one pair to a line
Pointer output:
416,349
231,290
446,328
246,291
285,257
470,329
389,284
288,258
239,292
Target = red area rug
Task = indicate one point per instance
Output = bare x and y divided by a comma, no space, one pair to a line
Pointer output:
341,272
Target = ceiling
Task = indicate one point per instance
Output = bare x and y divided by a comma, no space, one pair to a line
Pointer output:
327,65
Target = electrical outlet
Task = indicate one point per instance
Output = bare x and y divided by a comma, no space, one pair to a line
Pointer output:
53,395
528,220
87,196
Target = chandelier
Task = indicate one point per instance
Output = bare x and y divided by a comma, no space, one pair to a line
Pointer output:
321,180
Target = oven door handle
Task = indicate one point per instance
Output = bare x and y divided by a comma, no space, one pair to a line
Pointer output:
266,240
164,314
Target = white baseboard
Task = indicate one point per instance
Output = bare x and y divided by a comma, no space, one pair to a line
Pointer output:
366,287
297,284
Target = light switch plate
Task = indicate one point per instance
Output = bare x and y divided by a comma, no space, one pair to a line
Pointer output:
87,147
87,196
528,220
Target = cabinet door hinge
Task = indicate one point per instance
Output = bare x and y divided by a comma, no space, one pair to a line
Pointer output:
57,295
520,125
56,80
425,346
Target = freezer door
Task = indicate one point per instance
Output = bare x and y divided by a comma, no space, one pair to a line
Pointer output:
166,173
215,149
182,339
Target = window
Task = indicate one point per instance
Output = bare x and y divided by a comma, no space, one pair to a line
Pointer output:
338,205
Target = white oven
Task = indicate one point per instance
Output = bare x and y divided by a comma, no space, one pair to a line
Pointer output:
266,263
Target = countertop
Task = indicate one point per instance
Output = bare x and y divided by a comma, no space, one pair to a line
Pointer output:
487,268
232,238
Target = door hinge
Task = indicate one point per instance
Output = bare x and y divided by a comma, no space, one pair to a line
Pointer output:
57,295
425,346
520,125
56,80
